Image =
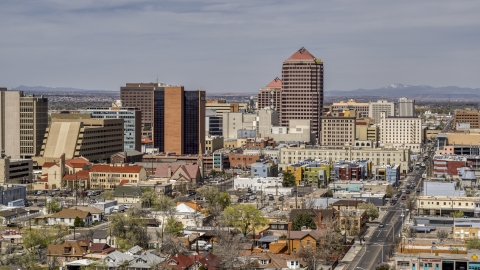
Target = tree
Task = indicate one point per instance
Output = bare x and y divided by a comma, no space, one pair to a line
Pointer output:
228,249
213,173
442,234
53,207
173,227
288,179
209,193
166,205
149,197
78,222
223,199
244,217
473,243
371,209
107,195
129,229
172,245
390,191
303,219
458,214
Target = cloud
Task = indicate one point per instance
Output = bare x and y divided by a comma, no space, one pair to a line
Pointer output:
237,46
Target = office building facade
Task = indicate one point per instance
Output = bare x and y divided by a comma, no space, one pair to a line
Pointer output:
376,108
176,116
467,116
401,131
80,135
302,89
23,121
132,124
338,130
406,107
360,108
270,95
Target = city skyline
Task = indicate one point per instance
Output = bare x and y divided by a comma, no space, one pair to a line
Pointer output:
237,46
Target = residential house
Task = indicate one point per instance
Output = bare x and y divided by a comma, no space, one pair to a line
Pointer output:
127,194
103,237
100,248
66,252
117,260
97,214
298,239
184,262
269,260
346,204
145,262
9,215
353,221
67,217
184,214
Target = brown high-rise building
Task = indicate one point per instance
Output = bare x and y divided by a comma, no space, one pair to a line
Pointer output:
270,95
175,116
302,89
467,116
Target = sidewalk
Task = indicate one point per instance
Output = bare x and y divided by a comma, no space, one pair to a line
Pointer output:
349,256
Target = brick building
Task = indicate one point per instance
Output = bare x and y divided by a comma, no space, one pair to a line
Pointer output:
448,165
467,116
243,161
259,143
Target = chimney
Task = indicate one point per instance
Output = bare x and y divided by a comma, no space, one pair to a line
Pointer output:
169,171
289,228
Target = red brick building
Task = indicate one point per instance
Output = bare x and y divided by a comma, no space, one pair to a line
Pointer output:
243,161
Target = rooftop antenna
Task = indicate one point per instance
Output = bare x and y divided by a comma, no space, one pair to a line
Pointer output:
157,79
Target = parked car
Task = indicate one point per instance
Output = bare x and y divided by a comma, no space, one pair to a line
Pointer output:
381,225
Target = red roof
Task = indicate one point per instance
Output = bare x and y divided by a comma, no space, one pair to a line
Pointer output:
302,54
123,182
49,164
178,261
80,161
101,248
275,83
44,180
80,175
118,168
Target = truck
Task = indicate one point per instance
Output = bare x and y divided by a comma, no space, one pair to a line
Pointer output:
19,202
119,208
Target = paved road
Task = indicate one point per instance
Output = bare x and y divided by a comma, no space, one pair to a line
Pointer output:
379,244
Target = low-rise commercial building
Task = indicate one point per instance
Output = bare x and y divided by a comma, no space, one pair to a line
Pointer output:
445,205
242,161
213,143
378,156
12,192
388,173
113,175
264,168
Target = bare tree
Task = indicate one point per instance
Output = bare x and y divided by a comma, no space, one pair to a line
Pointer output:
308,203
228,248
172,245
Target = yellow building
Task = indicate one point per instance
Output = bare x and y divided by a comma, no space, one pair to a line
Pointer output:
297,171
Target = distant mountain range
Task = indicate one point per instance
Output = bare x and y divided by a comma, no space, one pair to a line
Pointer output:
391,91
411,91
57,89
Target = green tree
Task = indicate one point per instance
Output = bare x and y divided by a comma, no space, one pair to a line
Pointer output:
223,199
149,197
473,243
244,217
53,207
288,179
371,209
303,219
213,173
167,206
458,214
107,195
209,193
78,222
173,227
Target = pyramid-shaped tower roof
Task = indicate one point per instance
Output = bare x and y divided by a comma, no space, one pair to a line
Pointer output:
302,54
275,83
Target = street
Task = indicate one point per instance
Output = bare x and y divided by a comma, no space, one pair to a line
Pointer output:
379,245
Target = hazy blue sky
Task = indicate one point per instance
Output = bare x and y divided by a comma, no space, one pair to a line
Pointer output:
237,46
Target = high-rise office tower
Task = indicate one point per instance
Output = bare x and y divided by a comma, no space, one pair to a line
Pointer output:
406,107
23,121
270,95
302,89
376,108
175,116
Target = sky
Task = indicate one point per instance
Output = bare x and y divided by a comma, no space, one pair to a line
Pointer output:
237,46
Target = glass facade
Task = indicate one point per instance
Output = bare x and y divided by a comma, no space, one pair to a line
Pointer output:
191,122
159,119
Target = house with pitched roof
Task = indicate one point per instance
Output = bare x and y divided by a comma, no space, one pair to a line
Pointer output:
269,260
68,251
67,217
184,262
180,173
97,214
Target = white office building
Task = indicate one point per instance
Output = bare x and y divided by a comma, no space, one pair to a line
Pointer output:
399,131
376,108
